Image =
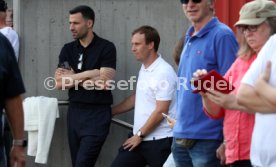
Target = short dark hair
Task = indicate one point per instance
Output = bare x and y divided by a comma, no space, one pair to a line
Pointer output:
86,11
151,35
3,6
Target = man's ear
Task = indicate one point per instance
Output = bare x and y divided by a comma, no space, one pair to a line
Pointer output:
212,4
90,23
151,45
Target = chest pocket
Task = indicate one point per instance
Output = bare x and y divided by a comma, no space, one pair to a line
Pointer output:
206,57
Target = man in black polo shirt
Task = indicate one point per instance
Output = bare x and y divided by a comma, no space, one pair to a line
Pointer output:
85,66
11,86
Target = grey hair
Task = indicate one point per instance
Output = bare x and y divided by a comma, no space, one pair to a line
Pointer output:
245,50
212,9
271,21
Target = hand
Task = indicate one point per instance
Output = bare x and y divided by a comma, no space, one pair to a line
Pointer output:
171,122
58,72
62,72
264,77
107,73
220,152
224,100
132,142
203,95
266,74
197,74
17,156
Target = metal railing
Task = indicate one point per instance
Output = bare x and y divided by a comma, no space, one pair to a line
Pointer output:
114,120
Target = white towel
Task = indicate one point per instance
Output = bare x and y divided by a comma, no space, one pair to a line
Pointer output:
30,106
40,114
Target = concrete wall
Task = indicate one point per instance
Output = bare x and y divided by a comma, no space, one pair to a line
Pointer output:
43,29
9,3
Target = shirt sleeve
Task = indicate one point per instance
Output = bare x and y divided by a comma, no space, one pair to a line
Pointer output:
13,38
13,82
226,50
109,56
258,66
62,55
221,114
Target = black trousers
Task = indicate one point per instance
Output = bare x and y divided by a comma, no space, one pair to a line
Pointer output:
153,153
241,163
88,127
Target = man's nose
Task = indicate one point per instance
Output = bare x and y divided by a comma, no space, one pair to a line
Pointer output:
71,27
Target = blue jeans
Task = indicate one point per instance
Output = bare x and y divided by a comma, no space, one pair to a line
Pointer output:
201,154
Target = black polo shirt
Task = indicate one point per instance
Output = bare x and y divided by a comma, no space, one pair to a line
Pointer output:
99,53
11,83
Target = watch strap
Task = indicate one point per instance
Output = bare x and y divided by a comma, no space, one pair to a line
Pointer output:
19,142
140,134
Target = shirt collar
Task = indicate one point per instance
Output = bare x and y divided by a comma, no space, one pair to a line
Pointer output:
153,65
208,27
96,37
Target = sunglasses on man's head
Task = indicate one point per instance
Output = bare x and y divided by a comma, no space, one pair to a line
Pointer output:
187,1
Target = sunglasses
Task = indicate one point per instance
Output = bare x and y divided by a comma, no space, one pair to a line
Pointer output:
187,1
249,28
80,61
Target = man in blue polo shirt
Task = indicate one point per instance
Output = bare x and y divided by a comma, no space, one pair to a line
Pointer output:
209,44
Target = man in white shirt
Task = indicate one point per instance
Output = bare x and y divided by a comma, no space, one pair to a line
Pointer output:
258,92
8,31
151,140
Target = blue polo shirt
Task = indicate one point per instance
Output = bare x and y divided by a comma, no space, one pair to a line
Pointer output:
214,47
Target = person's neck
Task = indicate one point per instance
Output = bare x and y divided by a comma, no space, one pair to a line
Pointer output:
199,25
150,59
87,40
2,24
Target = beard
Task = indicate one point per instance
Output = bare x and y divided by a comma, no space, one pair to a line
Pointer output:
80,36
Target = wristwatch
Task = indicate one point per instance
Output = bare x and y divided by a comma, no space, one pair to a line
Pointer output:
140,134
20,142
